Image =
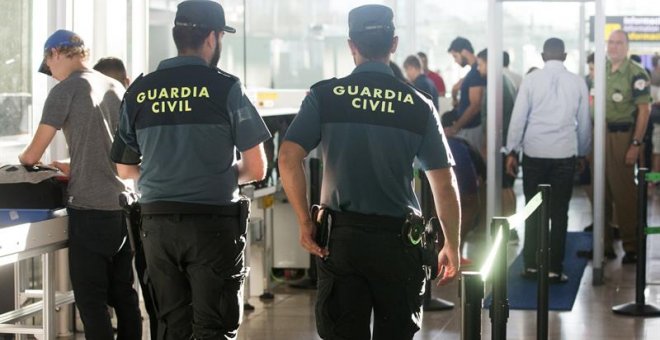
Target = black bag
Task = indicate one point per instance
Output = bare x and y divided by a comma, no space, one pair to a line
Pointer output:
35,187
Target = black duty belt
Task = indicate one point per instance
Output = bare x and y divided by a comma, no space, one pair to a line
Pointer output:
619,127
166,208
364,221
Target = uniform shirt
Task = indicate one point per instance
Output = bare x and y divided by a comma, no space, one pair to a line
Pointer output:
85,106
371,127
186,120
472,79
423,83
551,115
625,89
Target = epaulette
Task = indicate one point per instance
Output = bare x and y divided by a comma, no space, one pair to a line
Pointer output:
323,82
227,75
137,80
427,95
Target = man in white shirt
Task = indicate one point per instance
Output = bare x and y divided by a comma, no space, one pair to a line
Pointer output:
551,125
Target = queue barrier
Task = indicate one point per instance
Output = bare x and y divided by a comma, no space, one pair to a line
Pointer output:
639,307
495,271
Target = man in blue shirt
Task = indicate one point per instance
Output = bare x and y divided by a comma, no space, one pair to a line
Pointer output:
471,88
415,74
370,127
551,124
179,131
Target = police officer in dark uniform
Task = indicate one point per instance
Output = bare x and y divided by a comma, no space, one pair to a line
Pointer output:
370,127
179,131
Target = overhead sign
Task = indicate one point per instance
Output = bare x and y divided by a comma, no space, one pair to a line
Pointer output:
639,28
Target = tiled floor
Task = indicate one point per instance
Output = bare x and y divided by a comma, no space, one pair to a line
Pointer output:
291,314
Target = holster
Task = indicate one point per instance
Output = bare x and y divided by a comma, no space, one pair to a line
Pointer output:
244,215
321,217
430,248
129,203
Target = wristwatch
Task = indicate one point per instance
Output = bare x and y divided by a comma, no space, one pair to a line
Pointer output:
635,142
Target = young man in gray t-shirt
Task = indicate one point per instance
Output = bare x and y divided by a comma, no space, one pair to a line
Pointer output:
85,105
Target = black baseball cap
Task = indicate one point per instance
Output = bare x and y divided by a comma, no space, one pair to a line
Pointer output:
203,14
370,19
60,38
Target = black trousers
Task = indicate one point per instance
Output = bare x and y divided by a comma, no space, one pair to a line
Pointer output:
369,270
100,265
197,270
559,174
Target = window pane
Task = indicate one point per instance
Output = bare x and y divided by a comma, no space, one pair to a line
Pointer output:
15,78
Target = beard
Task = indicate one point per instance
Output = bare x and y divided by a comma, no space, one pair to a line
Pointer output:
464,61
216,55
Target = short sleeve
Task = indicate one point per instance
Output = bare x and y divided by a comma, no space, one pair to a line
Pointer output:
248,128
125,149
305,130
434,152
641,88
476,80
57,106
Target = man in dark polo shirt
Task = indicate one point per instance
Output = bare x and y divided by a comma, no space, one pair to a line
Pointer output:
370,127
471,88
415,73
183,124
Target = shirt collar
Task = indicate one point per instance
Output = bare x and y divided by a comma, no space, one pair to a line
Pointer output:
553,64
623,68
374,66
181,61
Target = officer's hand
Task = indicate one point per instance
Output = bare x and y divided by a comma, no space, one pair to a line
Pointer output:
450,131
448,264
632,154
581,165
307,233
512,165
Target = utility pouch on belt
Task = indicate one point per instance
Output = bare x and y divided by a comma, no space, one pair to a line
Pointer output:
244,214
413,229
321,217
430,248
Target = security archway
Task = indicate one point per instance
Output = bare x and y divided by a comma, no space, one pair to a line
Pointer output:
494,121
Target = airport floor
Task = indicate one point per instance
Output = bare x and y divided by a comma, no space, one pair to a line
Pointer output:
291,314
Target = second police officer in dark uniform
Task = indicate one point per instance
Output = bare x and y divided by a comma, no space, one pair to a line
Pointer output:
183,124
370,127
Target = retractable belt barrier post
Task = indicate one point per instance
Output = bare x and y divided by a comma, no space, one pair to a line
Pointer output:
543,262
639,307
495,270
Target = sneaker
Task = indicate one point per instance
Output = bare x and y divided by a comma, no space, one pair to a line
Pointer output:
557,278
529,273
629,257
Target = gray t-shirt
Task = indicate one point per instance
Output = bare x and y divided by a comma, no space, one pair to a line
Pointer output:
86,107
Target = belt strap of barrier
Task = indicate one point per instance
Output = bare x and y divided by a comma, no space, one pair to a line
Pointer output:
652,230
532,205
653,177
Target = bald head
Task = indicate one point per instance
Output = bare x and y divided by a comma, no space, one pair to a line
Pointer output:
553,49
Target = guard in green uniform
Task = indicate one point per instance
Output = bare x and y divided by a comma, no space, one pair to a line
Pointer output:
627,100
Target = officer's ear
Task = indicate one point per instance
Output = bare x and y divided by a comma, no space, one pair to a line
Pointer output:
353,47
395,44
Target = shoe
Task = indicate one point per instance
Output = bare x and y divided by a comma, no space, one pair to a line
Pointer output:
629,257
513,236
557,278
529,273
589,228
589,254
